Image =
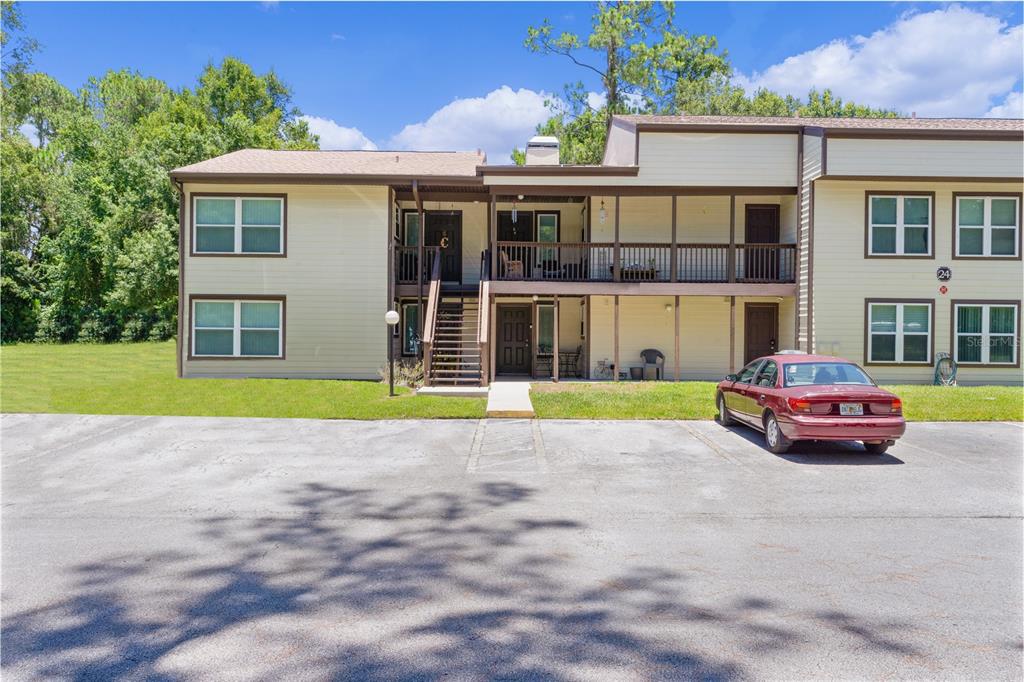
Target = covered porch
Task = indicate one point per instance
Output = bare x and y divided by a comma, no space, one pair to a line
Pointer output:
634,337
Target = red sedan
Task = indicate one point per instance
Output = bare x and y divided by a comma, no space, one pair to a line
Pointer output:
796,396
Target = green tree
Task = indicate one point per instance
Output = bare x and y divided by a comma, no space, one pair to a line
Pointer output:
88,218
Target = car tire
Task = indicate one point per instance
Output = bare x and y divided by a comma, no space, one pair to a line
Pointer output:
876,448
723,412
774,439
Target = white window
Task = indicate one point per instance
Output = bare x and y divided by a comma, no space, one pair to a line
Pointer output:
226,328
986,333
899,225
987,226
239,225
412,228
899,332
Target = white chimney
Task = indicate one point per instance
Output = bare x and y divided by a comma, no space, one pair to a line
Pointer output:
542,150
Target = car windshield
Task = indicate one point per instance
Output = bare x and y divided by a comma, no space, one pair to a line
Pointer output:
825,374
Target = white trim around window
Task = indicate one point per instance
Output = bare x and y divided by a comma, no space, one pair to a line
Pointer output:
250,328
979,328
245,224
895,224
899,332
987,226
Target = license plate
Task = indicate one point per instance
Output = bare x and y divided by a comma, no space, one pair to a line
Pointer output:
851,409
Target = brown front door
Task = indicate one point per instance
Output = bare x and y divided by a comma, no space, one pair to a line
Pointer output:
760,330
762,227
444,229
514,339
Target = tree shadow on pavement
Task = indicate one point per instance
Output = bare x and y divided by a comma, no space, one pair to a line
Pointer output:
356,584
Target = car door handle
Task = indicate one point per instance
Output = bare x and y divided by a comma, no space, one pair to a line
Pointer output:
762,397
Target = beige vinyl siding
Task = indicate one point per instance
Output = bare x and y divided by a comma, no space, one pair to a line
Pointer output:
703,335
843,278
812,170
925,158
699,220
693,159
718,159
334,278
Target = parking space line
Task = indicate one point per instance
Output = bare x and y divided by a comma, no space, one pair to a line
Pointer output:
538,446
476,446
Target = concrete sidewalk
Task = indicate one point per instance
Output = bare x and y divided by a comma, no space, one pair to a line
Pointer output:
509,400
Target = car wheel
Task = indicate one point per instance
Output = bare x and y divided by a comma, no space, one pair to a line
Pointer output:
723,413
773,436
876,448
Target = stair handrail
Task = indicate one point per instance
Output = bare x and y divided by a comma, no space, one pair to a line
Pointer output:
433,299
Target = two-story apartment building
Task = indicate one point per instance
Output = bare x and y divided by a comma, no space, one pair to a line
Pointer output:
709,240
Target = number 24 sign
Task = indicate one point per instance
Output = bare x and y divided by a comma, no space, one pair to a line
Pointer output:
944,274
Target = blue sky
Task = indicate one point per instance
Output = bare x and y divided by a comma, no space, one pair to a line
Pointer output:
432,75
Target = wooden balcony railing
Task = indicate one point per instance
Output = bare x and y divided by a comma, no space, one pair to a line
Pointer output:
406,260
645,262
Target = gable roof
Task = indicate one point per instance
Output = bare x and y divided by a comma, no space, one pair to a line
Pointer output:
365,166
893,126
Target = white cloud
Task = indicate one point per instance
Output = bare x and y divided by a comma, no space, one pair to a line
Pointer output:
497,122
954,61
1012,107
334,136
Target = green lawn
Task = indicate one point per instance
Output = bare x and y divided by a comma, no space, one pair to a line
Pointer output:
696,400
140,379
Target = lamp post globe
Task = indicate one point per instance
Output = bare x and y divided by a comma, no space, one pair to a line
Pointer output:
391,317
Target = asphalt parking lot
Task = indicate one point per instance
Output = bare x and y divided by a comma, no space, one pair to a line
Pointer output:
206,548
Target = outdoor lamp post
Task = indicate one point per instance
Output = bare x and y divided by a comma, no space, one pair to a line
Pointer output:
391,317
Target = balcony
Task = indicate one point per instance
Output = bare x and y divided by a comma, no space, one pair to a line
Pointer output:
646,262
407,260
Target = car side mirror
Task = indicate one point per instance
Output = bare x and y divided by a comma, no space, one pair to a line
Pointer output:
731,377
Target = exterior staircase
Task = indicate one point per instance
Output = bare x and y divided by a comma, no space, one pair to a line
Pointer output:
455,352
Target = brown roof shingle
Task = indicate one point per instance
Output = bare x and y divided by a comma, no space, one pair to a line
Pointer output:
918,124
384,164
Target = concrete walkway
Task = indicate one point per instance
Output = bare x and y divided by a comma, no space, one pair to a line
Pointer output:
510,400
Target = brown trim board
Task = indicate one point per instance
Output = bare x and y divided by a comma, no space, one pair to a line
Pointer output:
240,297
558,170
867,331
258,195
952,330
1020,225
181,272
638,190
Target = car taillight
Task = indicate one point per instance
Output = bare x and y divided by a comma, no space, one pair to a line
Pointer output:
799,405
896,407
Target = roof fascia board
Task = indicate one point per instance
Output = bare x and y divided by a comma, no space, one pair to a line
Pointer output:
626,171
322,179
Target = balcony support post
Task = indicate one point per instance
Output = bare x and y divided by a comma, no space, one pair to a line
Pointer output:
615,372
731,260
420,255
673,257
554,349
492,223
676,375
732,334
616,257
